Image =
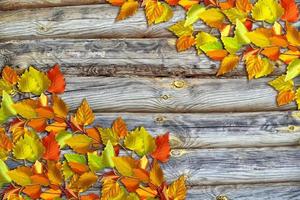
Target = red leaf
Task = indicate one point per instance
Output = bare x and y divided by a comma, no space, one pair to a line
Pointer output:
58,82
162,151
52,150
291,12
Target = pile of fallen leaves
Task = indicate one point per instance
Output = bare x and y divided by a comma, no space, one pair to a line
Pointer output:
54,154
259,34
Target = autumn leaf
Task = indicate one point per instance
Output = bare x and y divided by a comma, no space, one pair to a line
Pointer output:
231,44
26,108
193,14
177,190
156,174
285,97
60,108
228,64
140,141
54,172
125,165
33,81
4,177
180,29
111,190
120,127
162,151
33,191
7,110
293,70
79,143
213,17
185,42
206,42
52,150
271,52
57,79
108,134
10,75
85,181
234,14
292,35
157,12
84,114
217,54
291,12
243,5
267,10
131,184
259,38
21,175
257,67
128,9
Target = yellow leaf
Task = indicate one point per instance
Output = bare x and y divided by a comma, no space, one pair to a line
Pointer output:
166,15
228,64
84,114
54,173
108,134
6,86
298,98
280,84
267,10
21,175
85,181
267,68
153,10
156,174
233,14
289,56
292,35
29,147
185,42
51,194
179,29
193,14
293,70
33,81
277,28
254,65
258,38
128,8
26,108
213,17
177,190
111,190
140,141
60,108
231,44
240,33
79,143
125,165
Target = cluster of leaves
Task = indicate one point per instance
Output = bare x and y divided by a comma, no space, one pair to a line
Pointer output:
58,154
258,34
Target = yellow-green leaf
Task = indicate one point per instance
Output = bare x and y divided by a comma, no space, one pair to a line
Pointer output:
179,29
234,14
166,15
267,10
213,17
7,110
231,44
33,81
4,177
241,33
293,70
193,14
140,141
6,86
108,134
280,84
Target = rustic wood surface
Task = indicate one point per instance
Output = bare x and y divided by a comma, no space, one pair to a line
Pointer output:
227,134
130,57
216,130
138,94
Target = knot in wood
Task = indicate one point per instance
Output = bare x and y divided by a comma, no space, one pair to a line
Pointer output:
291,127
160,119
179,83
177,153
222,197
165,97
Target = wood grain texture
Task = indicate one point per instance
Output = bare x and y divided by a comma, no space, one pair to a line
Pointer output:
90,21
230,166
215,130
112,57
111,94
280,191
21,4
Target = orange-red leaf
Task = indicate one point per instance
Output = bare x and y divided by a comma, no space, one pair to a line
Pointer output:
58,83
52,150
162,151
10,75
291,12
217,54
131,184
271,52
116,2
33,191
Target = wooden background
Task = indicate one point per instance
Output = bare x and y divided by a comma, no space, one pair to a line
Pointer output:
228,136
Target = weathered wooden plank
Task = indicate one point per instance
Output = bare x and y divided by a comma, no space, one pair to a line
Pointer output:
231,166
20,4
90,21
112,57
215,130
279,191
111,94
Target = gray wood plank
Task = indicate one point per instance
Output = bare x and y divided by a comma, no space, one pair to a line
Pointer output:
89,21
112,57
21,4
215,130
111,94
231,166
277,191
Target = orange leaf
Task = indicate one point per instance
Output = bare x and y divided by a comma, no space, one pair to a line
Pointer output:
56,127
52,150
84,114
45,112
10,75
116,2
131,184
285,97
217,54
172,2
54,173
141,174
33,191
271,52
58,83
40,180
60,108
5,140
78,167
90,197
94,134
146,192
279,40
51,194
153,10
243,5
228,64
128,9
39,124
156,174
291,12
119,126
162,151
185,42
226,5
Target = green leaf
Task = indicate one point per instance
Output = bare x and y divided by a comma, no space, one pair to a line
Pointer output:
140,141
61,137
240,33
231,44
293,70
97,162
4,177
193,14
7,110
77,158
